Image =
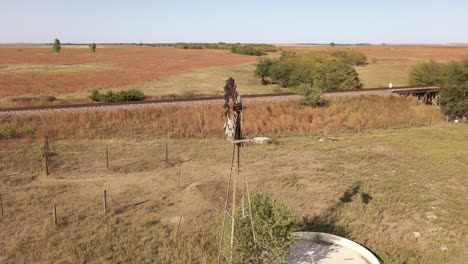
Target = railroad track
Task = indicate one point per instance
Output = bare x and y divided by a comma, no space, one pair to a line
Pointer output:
11,111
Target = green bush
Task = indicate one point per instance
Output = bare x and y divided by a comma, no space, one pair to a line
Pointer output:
311,96
273,225
122,96
7,131
350,56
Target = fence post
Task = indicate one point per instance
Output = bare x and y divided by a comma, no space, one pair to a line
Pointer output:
179,176
167,155
45,154
107,157
177,233
105,201
1,206
54,208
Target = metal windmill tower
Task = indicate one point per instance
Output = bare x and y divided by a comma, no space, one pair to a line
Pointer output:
233,115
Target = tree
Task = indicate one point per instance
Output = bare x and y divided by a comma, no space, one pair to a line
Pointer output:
92,46
453,81
262,69
280,72
332,44
454,92
56,46
332,75
428,73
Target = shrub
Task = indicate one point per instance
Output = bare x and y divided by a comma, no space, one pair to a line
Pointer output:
122,96
56,47
312,96
30,129
7,131
273,225
350,56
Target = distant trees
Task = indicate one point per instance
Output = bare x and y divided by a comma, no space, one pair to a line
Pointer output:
245,49
321,70
56,47
92,46
452,78
351,57
332,44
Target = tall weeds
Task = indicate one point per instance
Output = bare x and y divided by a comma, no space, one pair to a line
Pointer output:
268,119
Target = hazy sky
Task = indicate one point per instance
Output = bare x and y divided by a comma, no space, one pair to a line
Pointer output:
292,21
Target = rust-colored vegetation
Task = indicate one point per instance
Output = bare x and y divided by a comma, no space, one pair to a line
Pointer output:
36,70
270,119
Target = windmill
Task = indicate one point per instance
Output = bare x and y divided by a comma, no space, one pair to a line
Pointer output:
233,128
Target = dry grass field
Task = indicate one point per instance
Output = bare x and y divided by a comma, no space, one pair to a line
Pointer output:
71,74
342,114
34,70
401,192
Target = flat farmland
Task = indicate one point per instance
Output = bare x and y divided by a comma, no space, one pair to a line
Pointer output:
391,63
35,70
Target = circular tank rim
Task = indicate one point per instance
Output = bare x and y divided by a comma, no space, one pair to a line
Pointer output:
340,241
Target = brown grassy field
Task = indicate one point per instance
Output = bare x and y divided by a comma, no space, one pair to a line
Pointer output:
73,73
405,194
391,63
400,167
34,70
342,114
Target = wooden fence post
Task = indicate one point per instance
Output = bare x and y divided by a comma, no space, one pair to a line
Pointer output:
179,176
105,201
107,157
54,208
1,206
167,155
45,154
177,233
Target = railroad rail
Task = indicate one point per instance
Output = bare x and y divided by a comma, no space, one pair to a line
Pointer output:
402,90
